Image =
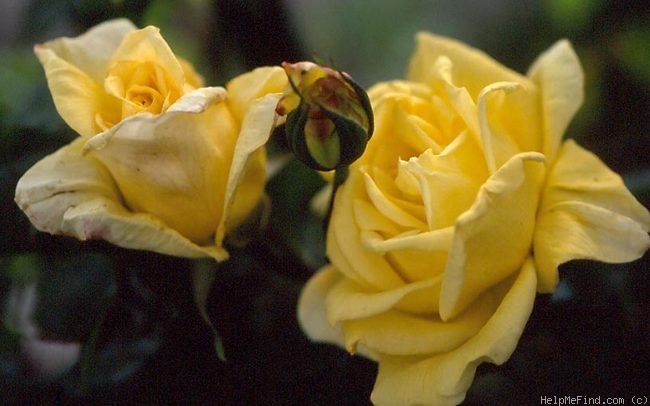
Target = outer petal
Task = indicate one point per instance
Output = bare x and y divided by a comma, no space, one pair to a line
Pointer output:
175,165
311,307
398,333
75,69
347,300
494,236
586,213
91,51
248,87
72,194
445,378
470,68
559,76
246,178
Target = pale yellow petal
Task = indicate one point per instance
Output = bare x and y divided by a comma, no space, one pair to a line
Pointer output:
244,89
444,379
494,236
91,51
471,68
498,147
147,45
311,307
344,247
450,180
77,97
586,213
174,164
393,332
71,193
247,175
348,300
560,80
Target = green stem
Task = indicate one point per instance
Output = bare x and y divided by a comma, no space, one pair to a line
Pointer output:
340,175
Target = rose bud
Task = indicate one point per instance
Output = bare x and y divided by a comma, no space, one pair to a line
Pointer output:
329,118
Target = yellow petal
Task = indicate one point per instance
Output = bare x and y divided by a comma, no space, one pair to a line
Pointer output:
444,379
76,96
147,45
71,193
248,87
75,69
398,333
494,236
344,247
311,307
246,178
175,165
559,77
586,213
450,180
497,146
348,300
91,51
470,68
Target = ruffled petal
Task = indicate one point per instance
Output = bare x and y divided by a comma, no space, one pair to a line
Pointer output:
494,236
147,45
71,193
311,307
348,300
559,77
399,333
344,247
175,165
246,178
471,69
91,51
75,69
444,379
248,87
586,213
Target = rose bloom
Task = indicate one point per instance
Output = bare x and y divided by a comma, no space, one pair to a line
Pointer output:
161,163
460,210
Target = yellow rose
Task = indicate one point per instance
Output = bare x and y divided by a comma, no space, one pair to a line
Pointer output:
460,210
161,164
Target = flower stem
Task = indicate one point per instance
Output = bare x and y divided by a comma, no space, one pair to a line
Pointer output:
340,175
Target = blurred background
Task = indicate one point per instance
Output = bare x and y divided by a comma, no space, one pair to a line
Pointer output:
93,323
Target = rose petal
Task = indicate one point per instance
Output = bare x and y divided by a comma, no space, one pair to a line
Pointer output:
471,68
558,75
348,300
586,213
72,194
394,332
91,51
494,236
75,70
248,168
147,45
344,247
248,87
311,307
176,163
444,379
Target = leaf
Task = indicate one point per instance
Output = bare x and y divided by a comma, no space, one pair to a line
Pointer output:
203,274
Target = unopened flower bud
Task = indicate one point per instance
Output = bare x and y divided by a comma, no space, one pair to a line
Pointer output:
329,118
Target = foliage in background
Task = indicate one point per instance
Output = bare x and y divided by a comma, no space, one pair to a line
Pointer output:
142,337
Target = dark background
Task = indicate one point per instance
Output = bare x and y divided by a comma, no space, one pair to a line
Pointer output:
143,341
